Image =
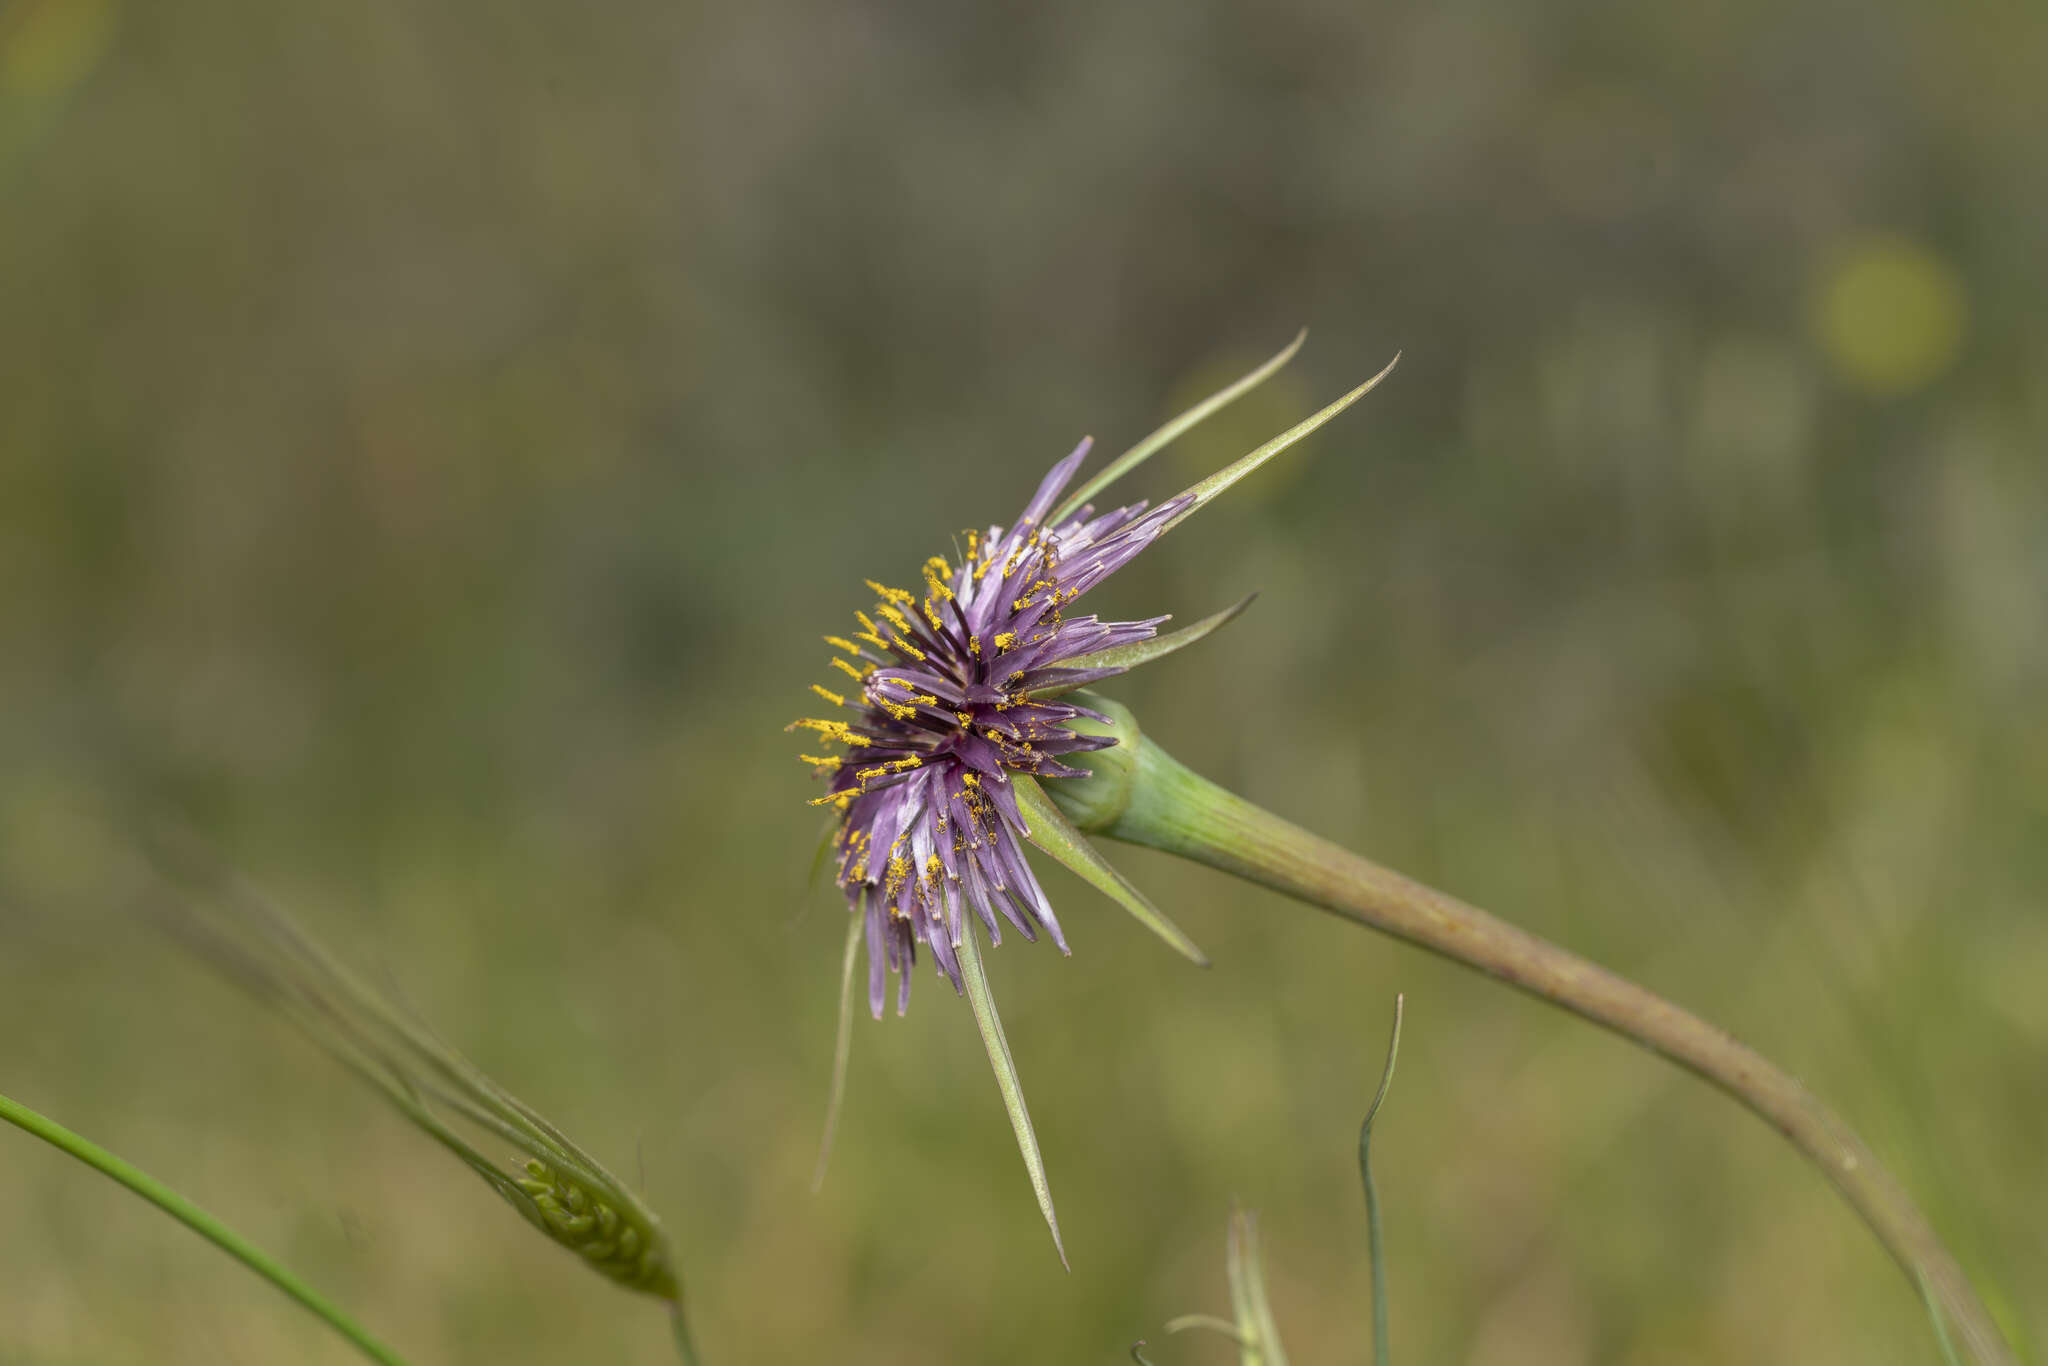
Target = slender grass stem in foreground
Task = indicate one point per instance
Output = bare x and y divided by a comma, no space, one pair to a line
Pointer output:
200,1222
1381,1353
1142,795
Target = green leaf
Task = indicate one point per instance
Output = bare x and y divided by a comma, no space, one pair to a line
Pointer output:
1052,832
983,1003
1145,651
1231,473
1151,445
841,1049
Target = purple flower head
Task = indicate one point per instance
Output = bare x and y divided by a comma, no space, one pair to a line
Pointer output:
959,714
955,694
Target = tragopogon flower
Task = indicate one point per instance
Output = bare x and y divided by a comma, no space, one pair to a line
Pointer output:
953,712
955,691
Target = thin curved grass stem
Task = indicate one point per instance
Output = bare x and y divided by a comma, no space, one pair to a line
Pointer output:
686,1350
1381,1332
842,1049
200,1222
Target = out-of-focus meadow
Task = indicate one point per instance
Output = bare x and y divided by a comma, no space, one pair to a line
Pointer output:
433,438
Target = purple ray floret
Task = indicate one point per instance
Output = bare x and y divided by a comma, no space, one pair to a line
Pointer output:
949,705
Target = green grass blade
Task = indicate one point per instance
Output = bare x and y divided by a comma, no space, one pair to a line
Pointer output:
842,1048
1271,1352
1208,1321
200,1222
1934,1315
1216,483
983,1003
1052,832
1159,439
1258,1335
1145,651
1380,1351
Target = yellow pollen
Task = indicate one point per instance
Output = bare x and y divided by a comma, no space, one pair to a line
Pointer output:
834,698
1005,640
841,643
896,618
888,594
827,762
858,675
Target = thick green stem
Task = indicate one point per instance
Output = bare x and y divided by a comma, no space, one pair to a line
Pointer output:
200,1222
1172,808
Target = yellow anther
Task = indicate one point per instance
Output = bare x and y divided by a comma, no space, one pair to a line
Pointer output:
834,698
842,800
841,643
891,594
1004,640
896,618
858,675
814,760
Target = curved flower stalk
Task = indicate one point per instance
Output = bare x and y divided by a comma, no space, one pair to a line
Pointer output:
958,715
954,714
1140,794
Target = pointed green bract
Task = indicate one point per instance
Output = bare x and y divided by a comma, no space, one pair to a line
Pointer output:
821,858
842,1049
1145,651
1159,439
1238,469
983,1003
1053,833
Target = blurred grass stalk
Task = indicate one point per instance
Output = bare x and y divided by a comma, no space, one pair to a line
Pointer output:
200,1222
1142,795
557,1186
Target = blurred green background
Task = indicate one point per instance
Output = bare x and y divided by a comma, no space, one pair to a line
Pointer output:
433,438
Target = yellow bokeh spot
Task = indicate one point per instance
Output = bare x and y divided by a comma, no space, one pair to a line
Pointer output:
1890,315
47,46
